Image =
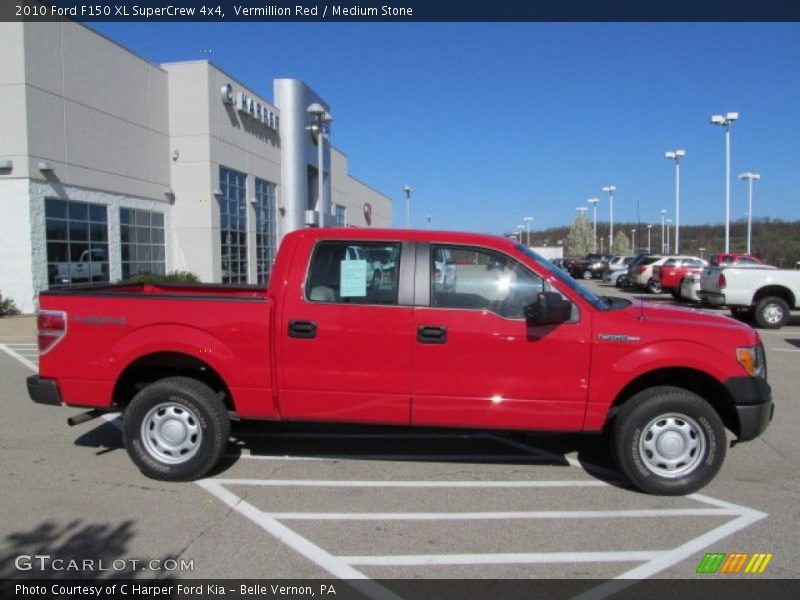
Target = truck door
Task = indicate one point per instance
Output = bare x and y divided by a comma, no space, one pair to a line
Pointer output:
478,363
345,340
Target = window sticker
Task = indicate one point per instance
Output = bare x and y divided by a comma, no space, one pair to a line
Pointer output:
353,279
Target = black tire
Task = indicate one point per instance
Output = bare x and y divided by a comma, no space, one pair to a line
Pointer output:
647,430
771,312
190,413
653,286
586,274
377,278
622,281
676,295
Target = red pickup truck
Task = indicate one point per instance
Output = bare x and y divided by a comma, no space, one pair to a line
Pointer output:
511,343
670,275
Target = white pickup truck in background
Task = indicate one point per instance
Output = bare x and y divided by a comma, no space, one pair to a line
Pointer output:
764,293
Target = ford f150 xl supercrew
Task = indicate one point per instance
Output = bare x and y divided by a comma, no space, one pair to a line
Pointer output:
514,343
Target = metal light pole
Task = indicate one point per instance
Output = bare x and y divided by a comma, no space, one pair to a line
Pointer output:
726,122
663,244
593,202
676,156
669,221
408,190
750,177
528,221
610,189
702,250
649,228
322,118
633,240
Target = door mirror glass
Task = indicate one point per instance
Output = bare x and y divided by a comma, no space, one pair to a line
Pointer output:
550,308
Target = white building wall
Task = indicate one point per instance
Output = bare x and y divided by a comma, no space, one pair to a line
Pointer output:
16,245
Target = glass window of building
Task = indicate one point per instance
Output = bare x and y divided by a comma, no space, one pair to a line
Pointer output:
265,229
142,242
341,213
77,242
233,225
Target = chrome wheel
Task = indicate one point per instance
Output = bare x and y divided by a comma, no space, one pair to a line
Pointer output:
672,445
773,313
171,433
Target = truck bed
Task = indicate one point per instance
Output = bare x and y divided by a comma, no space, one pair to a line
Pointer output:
219,329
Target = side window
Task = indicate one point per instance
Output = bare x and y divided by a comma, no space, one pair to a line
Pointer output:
354,273
669,263
474,278
747,261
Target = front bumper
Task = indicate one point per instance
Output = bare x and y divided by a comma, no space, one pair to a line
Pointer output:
44,391
712,298
752,397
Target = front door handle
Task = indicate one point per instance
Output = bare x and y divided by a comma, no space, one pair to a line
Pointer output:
302,329
431,334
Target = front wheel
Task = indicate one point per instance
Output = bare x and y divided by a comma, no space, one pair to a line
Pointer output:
175,429
653,286
771,312
668,441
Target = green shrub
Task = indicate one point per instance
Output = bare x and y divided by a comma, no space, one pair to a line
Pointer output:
7,307
174,277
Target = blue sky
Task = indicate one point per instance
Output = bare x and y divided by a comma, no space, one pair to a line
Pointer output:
491,122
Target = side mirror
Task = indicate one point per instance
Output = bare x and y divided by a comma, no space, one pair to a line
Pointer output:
549,309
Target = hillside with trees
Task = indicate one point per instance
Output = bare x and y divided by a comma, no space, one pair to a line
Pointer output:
774,240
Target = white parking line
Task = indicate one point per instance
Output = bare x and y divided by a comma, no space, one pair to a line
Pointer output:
488,516
18,357
654,561
785,349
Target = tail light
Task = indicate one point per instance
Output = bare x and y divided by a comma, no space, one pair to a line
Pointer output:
722,282
640,269
51,327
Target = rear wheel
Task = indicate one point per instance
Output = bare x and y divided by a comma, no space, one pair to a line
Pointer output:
175,429
668,441
771,312
653,286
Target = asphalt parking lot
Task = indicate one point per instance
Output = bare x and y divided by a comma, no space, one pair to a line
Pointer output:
310,501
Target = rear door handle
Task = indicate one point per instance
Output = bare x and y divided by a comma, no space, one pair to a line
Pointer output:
302,329
431,334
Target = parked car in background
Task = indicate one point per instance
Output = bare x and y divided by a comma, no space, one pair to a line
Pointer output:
689,288
444,277
615,267
733,259
640,271
762,292
670,275
590,267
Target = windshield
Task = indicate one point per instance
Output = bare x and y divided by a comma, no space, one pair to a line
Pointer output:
564,278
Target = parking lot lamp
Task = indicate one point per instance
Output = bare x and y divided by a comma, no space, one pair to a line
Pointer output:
408,190
669,221
610,189
726,122
750,177
663,243
649,229
528,221
702,250
593,203
318,129
677,155
633,240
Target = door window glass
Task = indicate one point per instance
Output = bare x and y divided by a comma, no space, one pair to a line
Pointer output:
474,278
354,273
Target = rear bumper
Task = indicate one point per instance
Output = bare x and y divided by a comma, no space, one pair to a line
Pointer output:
44,391
753,402
712,298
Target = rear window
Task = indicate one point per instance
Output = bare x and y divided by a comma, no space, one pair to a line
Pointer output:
669,263
649,260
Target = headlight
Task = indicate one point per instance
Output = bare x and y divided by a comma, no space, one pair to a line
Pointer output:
753,359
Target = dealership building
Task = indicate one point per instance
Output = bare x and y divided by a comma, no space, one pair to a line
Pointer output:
111,165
